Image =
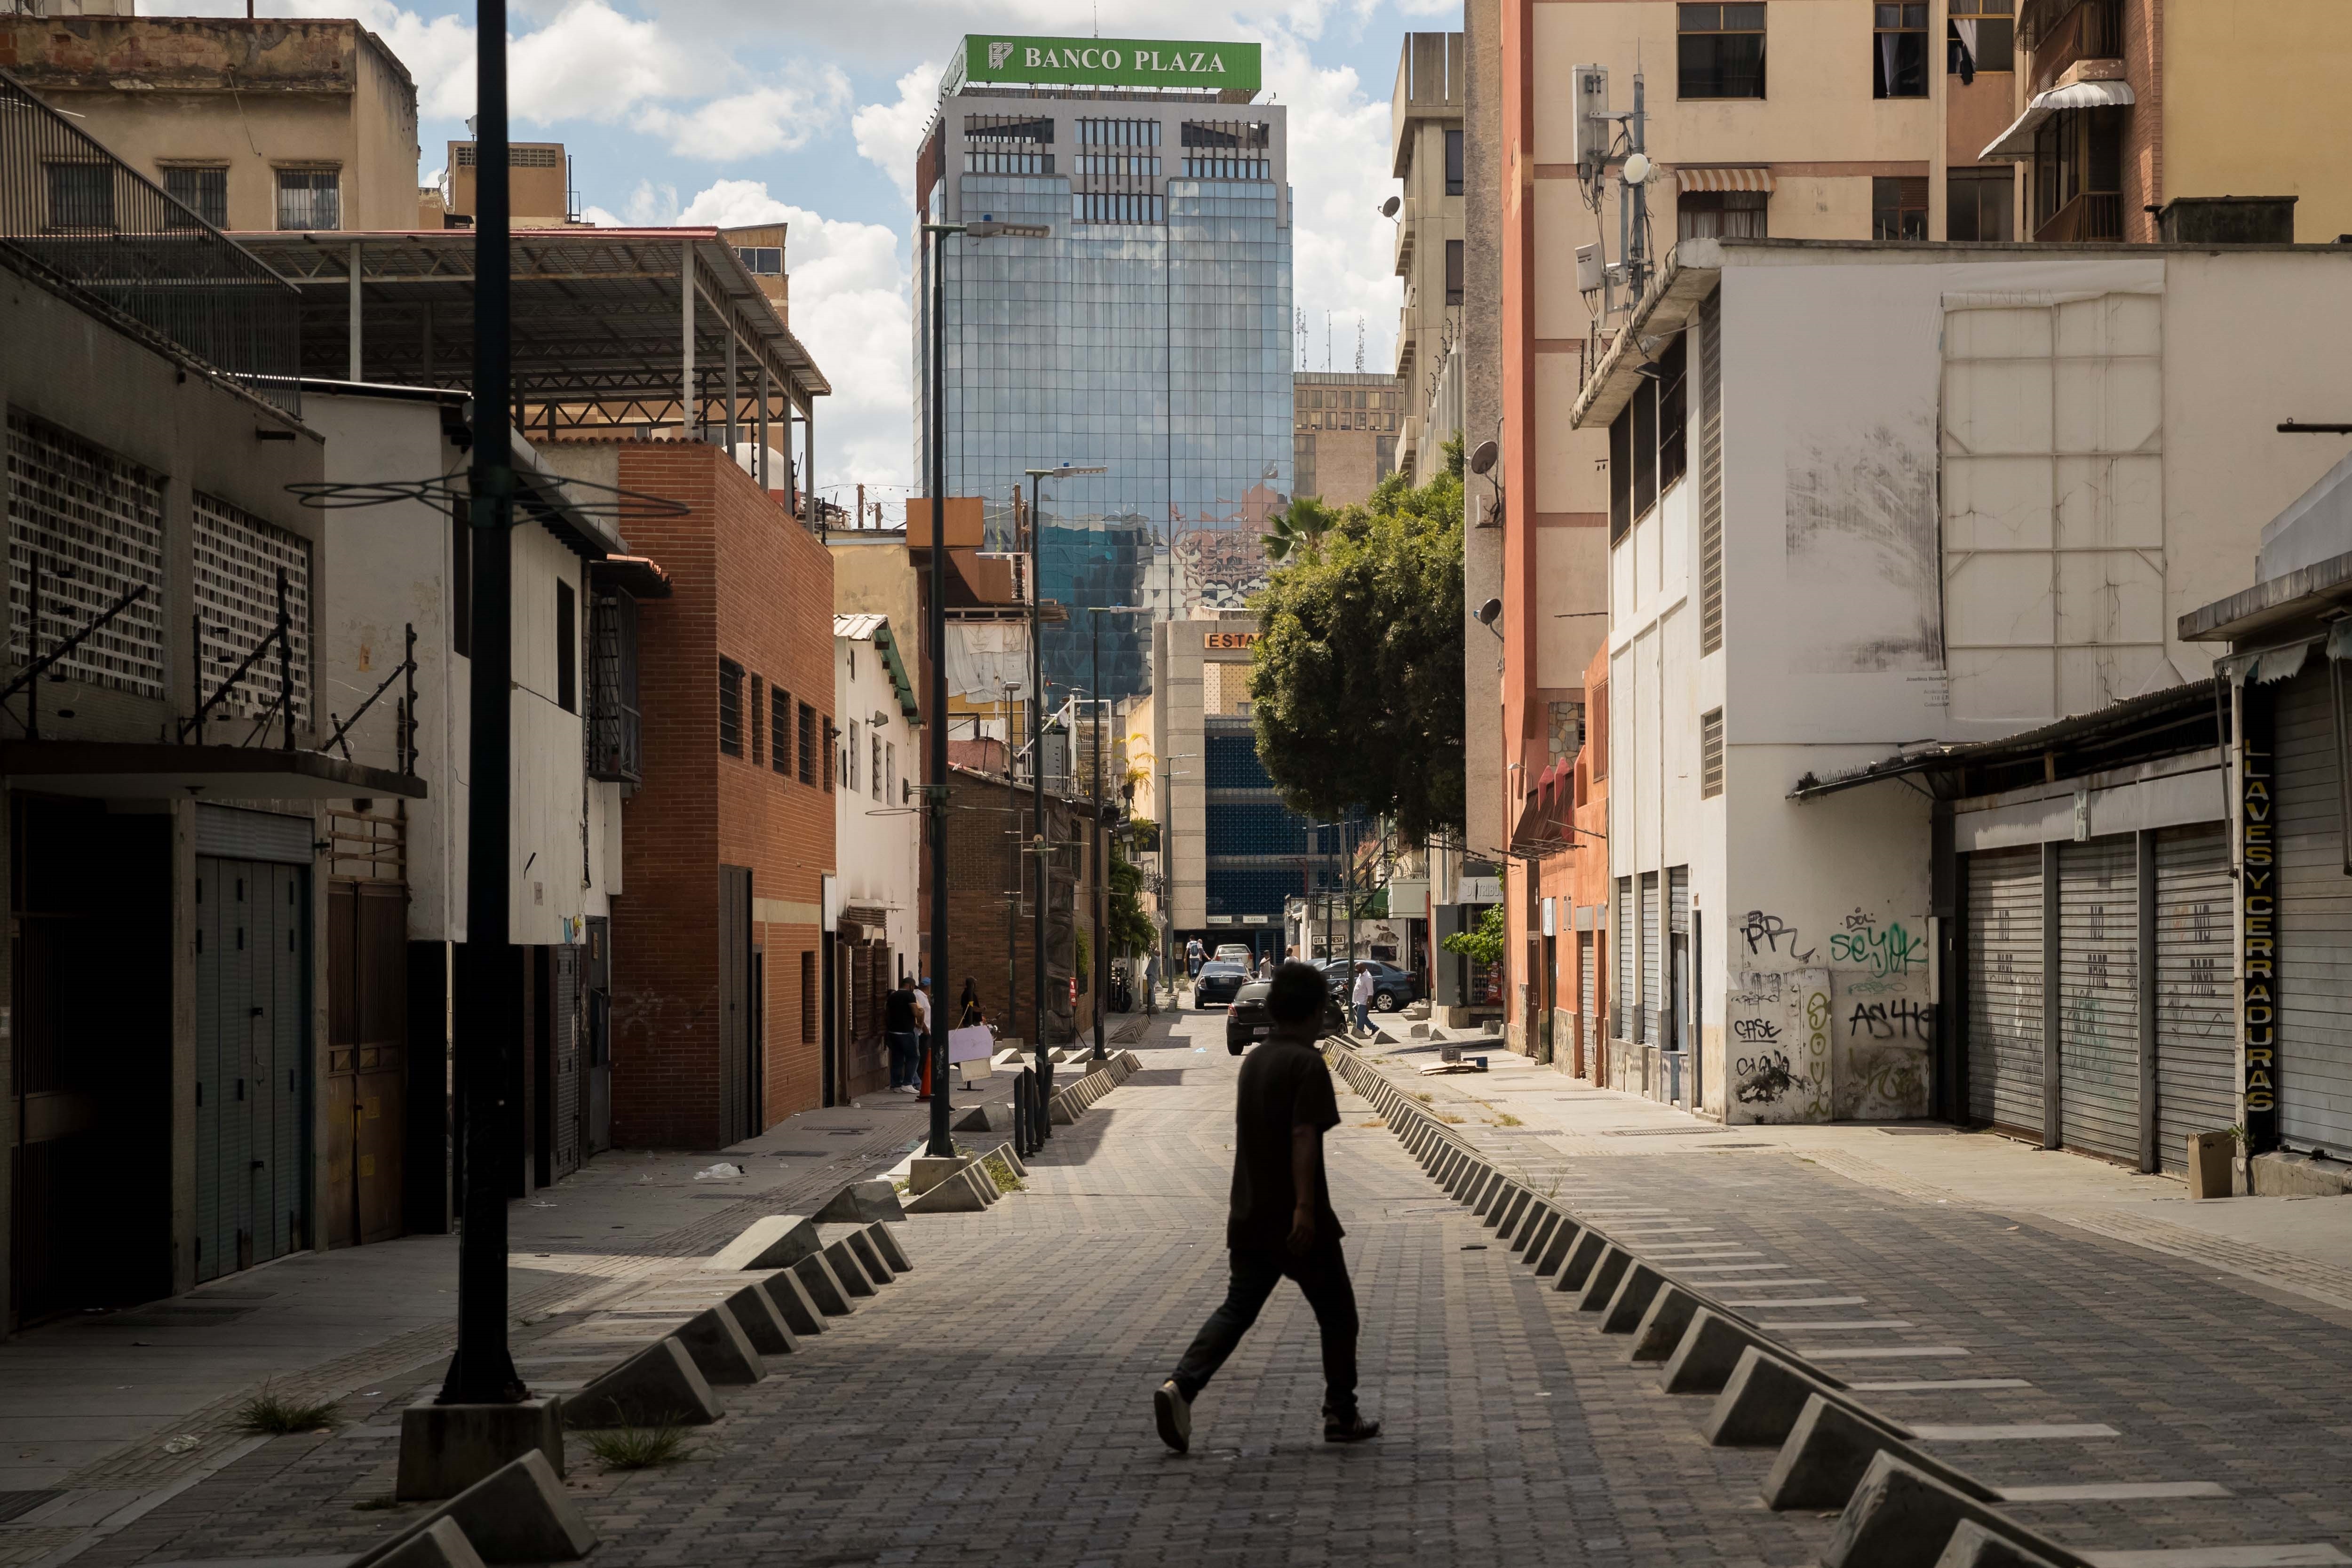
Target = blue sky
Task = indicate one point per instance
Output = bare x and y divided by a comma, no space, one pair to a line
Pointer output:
809,112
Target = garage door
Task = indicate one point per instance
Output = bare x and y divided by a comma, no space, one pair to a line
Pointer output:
2004,966
2098,998
2314,921
2196,1054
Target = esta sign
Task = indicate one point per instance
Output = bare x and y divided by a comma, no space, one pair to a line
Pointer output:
1214,640
1110,62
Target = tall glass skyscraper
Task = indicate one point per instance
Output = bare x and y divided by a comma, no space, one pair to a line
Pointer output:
1150,332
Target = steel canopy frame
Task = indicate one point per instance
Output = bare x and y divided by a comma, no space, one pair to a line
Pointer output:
597,321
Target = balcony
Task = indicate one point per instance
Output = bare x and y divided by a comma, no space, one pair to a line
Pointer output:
1408,229
2062,36
2091,216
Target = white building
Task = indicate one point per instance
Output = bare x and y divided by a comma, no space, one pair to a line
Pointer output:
1867,499
877,828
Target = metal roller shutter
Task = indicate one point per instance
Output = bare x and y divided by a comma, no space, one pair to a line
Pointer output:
1650,966
1622,1004
2314,921
2098,997
2196,1053
1586,980
2004,1024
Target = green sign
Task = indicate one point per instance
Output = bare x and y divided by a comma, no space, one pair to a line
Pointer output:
1110,62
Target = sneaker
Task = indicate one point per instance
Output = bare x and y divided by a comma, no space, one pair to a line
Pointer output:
1175,1416
1349,1428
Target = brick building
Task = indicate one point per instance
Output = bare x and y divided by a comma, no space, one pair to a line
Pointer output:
716,999
990,931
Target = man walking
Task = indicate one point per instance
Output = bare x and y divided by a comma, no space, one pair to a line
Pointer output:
900,1022
1281,1225
1192,959
1361,998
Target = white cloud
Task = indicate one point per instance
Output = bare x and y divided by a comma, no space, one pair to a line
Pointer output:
888,133
850,305
781,117
1342,250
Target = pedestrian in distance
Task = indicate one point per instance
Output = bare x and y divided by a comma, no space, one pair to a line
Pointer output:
901,1026
1281,1225
968,1012
1361,998
1192,959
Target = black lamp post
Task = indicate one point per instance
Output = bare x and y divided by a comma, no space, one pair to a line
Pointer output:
1101,853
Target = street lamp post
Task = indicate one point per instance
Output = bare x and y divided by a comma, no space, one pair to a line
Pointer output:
935,788
1102,880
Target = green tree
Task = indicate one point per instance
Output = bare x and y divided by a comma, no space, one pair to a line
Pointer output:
1130,929
1298,529
1356,680
1483,941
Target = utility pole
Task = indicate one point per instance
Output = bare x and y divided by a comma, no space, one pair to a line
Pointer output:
941,1144
1101,954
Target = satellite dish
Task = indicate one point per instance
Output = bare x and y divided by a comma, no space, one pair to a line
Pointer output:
1490,612
1388,207
1637,169
1483,458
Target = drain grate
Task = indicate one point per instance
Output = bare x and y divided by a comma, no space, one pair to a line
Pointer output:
1919,1131
1660,1132
16,1505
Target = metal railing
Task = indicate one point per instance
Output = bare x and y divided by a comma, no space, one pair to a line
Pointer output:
86,225
2061,35
2093,215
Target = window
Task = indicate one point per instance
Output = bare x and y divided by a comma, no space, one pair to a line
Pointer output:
1620,472
1710,473
759,711
1721,51
831,735
1645,447
808,998
730,707
204,192
1982,36
616,726
1978,204
1722,214
1118,206
890,772
461,581
808,751
874,765
310,198
849,757
81,195
1452,162
1452,272
1596,740
763,260
567,647
1898,55
1621,938
1302,463
1898,206
1670,425
1647,451
2079,154
1710,753
779,731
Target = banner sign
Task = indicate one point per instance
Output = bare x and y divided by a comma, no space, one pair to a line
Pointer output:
2258,922
1227,641
1110,62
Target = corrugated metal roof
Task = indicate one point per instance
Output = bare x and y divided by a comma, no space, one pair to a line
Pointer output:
858,626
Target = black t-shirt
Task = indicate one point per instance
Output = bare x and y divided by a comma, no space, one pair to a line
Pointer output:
1284,1085
899,1013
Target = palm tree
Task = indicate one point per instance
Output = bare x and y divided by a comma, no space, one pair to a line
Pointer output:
1299,527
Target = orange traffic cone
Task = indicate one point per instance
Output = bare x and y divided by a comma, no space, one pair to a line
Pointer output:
927,1077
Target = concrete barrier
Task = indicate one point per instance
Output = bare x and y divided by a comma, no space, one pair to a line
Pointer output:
825,1289
1577,1267
1631,1301
860,1203
517,1513
771,1241
755,1313
887,1246
1662,1326
869,1257
849,1268
1536,1223
1763,1397
1902,1517
1831,1447
720,1348
1554,1247
657,1385
1497,1204
438,1544
1601,1283
790,1298
962,1193
1974,1546
1708,1349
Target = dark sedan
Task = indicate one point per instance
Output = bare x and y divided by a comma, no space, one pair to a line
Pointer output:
1392,988
1247,1021
1217,981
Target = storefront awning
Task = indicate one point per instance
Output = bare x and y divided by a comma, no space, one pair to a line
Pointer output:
1752,177
2017,141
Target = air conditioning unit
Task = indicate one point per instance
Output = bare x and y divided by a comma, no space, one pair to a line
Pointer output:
1593,129
1589,271
1022,587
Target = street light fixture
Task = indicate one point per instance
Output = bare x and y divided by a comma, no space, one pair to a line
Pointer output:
935,628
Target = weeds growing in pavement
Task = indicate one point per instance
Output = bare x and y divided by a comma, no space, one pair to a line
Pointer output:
372,1504
1449,1121
269,1415
1375,1122
1002,1174
639,1447
1504,1119
1424,1097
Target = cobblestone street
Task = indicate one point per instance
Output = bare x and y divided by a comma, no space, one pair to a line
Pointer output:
992,1405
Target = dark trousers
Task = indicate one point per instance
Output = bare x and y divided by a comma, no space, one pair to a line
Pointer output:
1322,1277
906,1057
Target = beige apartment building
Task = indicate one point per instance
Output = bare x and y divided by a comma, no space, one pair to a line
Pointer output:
539,186
281,123
1343,433
1425,152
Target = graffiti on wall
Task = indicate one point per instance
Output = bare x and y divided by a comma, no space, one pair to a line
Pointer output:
1854,1039
1776,1034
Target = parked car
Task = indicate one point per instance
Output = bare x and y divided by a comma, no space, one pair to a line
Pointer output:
1393,989
1247,1021
1218,982
1236,952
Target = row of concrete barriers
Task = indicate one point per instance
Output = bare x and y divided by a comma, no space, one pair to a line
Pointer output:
1899,1505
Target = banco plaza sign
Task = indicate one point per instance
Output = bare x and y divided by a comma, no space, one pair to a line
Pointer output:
1110,62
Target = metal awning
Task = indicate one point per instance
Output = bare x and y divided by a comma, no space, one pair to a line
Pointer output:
1746,178
2017,141
159,771
599,317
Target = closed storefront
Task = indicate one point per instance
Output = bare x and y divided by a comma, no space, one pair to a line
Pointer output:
2098,998
253,1060
2196,1057
2004,976
1587,977
2315,917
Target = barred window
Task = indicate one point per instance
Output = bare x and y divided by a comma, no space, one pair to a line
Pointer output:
204,192
808,998
730,707
310,198
81,195
780,730
758,709
70,502
808,747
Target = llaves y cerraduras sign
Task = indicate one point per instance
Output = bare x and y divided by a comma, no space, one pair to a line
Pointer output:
2258,923
1110,62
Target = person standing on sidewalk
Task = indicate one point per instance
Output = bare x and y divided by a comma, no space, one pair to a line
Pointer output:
969,1014
1282,1224
1361,998
900,1012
